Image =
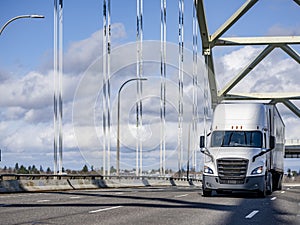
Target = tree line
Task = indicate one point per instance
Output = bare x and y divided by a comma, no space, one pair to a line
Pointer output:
32,169
21,169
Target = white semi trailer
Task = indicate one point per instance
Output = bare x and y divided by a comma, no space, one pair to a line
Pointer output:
245,149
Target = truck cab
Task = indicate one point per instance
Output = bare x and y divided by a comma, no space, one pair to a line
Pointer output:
244,149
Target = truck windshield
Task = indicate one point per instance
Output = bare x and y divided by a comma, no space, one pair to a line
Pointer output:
236,139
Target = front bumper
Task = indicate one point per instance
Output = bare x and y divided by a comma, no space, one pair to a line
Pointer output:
251,184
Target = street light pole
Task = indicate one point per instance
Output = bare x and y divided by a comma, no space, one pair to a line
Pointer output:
20,17
118,128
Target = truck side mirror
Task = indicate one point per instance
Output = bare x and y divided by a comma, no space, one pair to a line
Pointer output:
272,142
202,145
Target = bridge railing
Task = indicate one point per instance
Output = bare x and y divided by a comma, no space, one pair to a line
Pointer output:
292,142
14,176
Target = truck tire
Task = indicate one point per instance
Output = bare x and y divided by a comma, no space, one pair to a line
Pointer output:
279,185
263,193
269,184
207,193
277,181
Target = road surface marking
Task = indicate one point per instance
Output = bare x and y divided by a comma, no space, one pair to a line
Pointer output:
179,196
105,209
272,199
249,216
45,200
119,193
74,197
282,192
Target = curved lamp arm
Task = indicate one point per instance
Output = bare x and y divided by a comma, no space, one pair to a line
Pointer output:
20,17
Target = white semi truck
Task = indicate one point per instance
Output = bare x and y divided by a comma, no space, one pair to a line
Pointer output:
245,149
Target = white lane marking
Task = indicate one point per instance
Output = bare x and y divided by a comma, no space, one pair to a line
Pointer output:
119,193
179,196
74,197
282,192
249,216
105,209
44,200
272,199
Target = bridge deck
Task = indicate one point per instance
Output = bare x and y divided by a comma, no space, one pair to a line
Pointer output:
292,148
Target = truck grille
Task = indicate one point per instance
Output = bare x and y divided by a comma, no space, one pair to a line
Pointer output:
232,170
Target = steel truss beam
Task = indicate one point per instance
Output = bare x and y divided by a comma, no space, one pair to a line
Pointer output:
279,40
297,1
216,39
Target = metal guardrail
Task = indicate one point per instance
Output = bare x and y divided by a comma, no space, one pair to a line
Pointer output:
292,142
15,176
292,148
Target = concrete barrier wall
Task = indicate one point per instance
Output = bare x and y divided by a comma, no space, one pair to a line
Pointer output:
22,185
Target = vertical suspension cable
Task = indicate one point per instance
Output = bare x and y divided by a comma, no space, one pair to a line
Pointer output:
108,86
205,93
104,97
141,86
60,74
55,73
139,38
195,84
137,75
180,85
163,28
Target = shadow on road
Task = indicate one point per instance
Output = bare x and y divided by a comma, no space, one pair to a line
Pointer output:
250,202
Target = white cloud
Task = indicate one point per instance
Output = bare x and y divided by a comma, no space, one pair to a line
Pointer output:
278,30
82,53
31,91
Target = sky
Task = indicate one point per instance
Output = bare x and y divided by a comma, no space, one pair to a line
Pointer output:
26,75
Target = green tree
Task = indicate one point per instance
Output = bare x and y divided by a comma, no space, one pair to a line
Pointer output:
34,170
23,170
85,169
16,168
41,169
112,169
48,171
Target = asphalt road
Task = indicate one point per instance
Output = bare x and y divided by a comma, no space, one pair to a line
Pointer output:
176,205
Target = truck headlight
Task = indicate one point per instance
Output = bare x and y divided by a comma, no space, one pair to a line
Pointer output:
257,170
208,170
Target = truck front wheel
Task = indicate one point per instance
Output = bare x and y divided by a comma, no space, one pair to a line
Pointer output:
263,192
207,193
269,184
